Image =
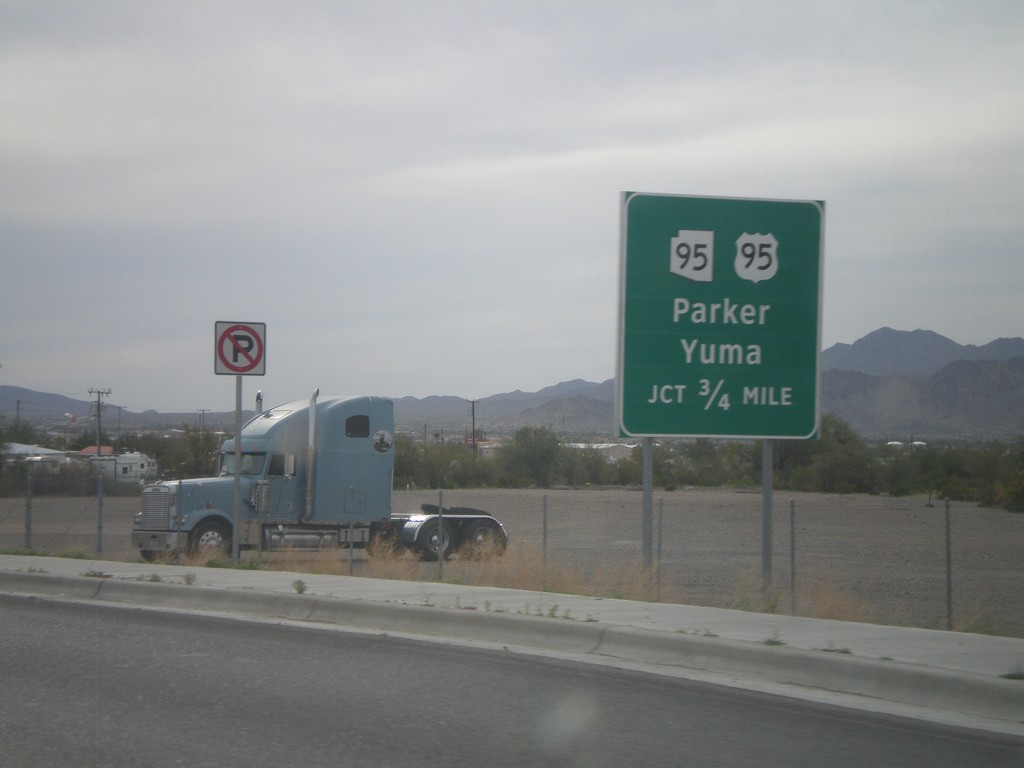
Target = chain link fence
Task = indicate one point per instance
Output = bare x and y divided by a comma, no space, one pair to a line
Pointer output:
902,561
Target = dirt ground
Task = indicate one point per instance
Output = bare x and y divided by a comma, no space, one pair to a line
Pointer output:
857,558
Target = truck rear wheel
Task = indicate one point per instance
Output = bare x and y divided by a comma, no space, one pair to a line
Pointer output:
210,538
483,539
435,540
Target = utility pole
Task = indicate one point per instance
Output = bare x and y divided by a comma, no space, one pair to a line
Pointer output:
100,393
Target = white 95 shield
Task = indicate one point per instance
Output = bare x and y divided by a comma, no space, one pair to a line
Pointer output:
692,255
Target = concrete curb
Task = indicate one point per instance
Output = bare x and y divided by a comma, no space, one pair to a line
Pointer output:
895,682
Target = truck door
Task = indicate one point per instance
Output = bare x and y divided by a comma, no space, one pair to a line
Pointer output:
280,493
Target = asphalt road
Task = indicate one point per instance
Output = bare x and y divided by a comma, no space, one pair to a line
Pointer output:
94,685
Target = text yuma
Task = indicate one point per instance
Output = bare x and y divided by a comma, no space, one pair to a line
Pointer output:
720,354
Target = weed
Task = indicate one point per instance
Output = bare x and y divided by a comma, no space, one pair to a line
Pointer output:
819,596
94,574
299,586
189,578
1016,674
774,639
153,577
833,649
242,565
28,552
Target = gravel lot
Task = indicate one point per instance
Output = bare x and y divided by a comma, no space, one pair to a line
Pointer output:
858,558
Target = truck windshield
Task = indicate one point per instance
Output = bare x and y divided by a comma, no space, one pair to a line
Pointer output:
252,463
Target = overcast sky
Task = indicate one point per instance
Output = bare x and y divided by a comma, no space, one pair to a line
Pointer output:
423,197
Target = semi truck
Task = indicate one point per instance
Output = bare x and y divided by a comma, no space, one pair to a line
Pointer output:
313,474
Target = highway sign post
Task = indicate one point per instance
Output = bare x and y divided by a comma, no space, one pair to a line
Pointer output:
719,325
240,349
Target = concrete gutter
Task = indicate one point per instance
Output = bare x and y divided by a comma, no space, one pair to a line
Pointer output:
949,677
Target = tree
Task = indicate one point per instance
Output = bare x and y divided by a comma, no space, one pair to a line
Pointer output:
530,457
408,471
837,462
195,454
583,466
19,432
1009,493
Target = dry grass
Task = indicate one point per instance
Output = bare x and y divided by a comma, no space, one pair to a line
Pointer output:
526,568
858,558
521,567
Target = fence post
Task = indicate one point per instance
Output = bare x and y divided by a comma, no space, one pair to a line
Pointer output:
99,507
351,545
178,517
949,571
544,538
28,507
657,562
440,535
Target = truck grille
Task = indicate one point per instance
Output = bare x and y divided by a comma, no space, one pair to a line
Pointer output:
156,508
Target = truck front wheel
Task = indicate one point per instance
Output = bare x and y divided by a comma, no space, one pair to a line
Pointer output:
210,538
434,540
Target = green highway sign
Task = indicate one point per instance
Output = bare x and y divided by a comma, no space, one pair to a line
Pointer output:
719,317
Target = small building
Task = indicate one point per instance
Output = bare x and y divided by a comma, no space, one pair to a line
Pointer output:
42,459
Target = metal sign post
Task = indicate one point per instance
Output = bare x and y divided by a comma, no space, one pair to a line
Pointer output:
236,512
239,349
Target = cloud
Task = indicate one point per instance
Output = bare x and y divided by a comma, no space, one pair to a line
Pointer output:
423,199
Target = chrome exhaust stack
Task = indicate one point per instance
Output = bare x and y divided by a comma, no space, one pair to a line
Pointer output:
311,455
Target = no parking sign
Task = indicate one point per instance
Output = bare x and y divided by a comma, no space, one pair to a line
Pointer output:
240,349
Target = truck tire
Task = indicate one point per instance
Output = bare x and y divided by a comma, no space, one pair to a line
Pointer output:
210,537
482,539
430,544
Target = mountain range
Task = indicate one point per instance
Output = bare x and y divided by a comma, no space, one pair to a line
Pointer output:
888,385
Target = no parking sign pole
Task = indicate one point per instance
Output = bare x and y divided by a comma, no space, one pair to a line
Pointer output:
240,349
